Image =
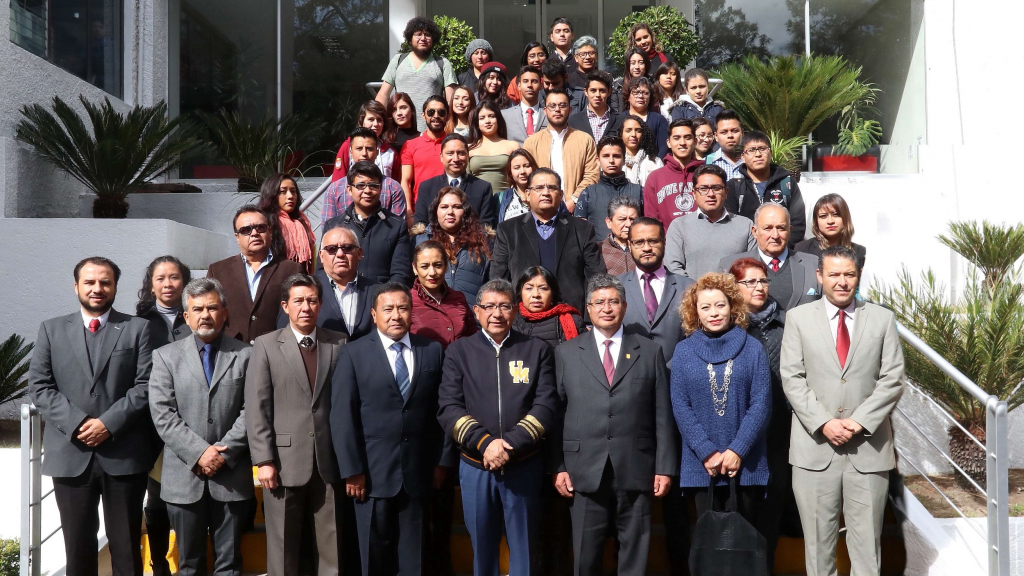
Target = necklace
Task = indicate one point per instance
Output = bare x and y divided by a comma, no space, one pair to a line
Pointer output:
723,390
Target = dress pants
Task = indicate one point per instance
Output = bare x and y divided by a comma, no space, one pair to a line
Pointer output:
288,510
779,492
438,558
224,521
78,500
158,529
513,493
391,533
675,515
859,497
592,514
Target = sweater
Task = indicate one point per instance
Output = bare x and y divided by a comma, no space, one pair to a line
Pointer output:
694,245
579,158
592,204
743,427
668,193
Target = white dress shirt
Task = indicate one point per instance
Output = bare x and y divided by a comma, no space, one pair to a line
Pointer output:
616,344
407,355
657,283
557,141
448,177
497,346
537,111
103,319
348,300
832,311
299,335
253,277
768,259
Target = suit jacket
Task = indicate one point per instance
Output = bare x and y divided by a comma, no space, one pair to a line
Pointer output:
384,238
818,389
517,248
191,415
629,423
289,424
516,125
159,335
579,121
579,158
805,278
330,312
481,197
667,328
67,390
250,317
396,443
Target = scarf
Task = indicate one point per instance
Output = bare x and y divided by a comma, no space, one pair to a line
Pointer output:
767,314
564,313
298,237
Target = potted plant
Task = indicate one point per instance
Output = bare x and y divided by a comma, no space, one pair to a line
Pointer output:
786,152
857,135
455,36
673,31
116,154
981,333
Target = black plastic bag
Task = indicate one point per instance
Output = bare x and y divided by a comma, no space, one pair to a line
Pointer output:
725,544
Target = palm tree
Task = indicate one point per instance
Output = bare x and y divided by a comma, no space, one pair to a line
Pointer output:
981,334
13,368
114,156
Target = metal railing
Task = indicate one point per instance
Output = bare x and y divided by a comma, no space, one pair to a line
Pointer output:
32,496
996,492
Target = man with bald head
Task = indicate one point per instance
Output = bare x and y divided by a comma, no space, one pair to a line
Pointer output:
346,307
792,277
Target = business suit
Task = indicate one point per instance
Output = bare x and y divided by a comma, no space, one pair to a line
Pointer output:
249,317
577,254
68,384
667,328
515,122
481,197
613,440
851,479
803,267
384,239
579,121
289,426
395,442
191,415
330,316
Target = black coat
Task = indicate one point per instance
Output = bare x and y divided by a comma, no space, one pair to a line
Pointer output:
812,247
159,335
548,330
782,189
580,122
387,250
331,317
481,197
579,254
396,443
592,204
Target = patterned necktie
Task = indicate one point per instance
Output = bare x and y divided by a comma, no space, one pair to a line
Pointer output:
650,299
454,183
529,121
401,370
842,339
609,364
306,342
94,325
208,363
775,264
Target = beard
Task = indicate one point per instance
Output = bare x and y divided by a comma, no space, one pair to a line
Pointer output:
94,308
206,330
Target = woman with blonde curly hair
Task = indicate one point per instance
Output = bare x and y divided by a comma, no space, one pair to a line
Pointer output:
721,396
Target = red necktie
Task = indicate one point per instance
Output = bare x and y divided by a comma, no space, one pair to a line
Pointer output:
775,264
94,325
529,121
842,339
609,365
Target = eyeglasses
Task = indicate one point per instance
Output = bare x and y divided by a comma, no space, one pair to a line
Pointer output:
332,249
641,94
646,242
431,112
705,190
706,137
504,307
544,188
248,230
557,106
756,151
751,283
364,185
587,54
600,304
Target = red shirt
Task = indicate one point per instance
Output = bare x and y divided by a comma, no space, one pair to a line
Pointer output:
423,153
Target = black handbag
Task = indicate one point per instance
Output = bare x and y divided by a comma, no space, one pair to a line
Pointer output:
724,543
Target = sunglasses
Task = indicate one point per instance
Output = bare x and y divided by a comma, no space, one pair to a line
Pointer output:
431,112
332,249
248,230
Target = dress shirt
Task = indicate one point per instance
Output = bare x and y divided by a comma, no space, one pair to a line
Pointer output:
725,214
103,319
497,346
537,111
598,123
348,299
449,178
557,141
214,348
253,277
616,344
768,259
832,311
407,354
657,283
299,335
545,229
732,169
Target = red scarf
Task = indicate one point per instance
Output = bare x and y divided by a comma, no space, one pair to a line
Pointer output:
298,238
564,313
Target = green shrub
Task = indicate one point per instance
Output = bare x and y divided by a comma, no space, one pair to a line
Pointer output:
670,27
455,36
10,557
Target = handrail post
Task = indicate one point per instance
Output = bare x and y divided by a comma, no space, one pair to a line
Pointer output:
31,490
998,486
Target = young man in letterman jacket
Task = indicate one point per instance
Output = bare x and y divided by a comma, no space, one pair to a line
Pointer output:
497,412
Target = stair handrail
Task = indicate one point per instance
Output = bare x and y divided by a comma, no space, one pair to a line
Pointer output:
32,496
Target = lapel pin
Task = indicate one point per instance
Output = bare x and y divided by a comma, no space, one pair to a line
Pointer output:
627,356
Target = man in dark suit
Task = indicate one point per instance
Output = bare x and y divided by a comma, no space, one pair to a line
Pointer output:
614,449
383,237
793,275
454,158
599,87
564,245
252,281
389,445
287,395
89,377
197,399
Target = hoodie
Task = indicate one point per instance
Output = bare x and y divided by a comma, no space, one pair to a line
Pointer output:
685,107
592,204
668,193
781,188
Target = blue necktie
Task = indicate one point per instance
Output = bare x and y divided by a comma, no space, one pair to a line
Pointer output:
401,370
454,183
208,363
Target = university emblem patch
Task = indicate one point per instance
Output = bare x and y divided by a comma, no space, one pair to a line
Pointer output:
519,374
684,202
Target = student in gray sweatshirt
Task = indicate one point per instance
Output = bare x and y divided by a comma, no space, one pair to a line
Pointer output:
697,241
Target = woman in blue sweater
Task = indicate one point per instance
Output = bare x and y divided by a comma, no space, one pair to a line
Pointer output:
721,397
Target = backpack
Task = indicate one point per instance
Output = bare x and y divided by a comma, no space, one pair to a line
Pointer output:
785,191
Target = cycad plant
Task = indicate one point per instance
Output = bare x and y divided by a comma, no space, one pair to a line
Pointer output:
13,368
790,96
981,333
116,154
786,152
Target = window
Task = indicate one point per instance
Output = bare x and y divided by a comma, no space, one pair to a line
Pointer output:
84,37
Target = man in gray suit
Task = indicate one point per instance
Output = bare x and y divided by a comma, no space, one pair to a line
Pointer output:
197,398
615,448
842,371
791,274
288,394
89,377
530,108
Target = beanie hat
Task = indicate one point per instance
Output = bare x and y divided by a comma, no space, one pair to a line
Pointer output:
479,44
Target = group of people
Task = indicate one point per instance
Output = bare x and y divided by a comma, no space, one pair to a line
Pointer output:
661,332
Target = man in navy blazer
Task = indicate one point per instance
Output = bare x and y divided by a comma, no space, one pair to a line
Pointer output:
390,448
454,158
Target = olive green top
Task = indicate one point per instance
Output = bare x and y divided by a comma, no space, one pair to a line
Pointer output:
490,169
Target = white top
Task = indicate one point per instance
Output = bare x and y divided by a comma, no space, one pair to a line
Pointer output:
557,140
720,218
832,311
657,283
253,277
407,355
348,299
103,319
616,341
299,335
638,168
768,259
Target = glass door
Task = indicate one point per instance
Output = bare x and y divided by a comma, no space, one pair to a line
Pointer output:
584,15
509,25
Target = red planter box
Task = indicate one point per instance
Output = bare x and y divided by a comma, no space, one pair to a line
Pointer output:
865,163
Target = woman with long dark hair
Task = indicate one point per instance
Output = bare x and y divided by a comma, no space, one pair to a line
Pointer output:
292,238
492,84
456,226
542,314
641,151
489,146
668,89
402,128
512,201
639,93
832,225
463,104
637,65
641,37
372,115
535,54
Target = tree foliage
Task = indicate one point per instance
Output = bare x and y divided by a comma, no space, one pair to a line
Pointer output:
726,35
672,30
13,368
